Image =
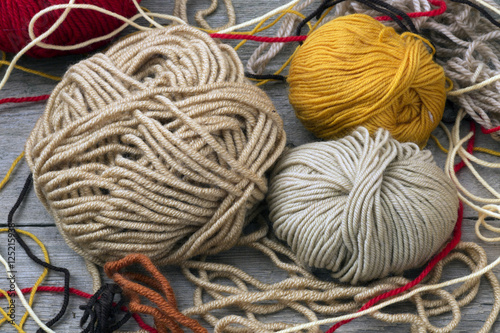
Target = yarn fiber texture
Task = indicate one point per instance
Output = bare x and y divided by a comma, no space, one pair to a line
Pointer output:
362,207
181,11
467,46
354,71
159,147
80,25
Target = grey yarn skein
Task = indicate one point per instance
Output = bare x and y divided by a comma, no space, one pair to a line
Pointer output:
362,207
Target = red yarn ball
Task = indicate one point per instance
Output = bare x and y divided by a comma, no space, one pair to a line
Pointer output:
80,25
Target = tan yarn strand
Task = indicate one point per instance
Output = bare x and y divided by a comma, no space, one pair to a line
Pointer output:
180,10
485,205
305,294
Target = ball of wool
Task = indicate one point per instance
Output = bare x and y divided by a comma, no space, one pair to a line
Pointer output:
159,146
354,71
79,26
362,207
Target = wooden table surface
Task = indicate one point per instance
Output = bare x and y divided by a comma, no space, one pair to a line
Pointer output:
16,122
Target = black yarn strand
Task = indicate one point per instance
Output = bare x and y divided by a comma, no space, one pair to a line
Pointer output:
22,195
481,10
401,15
316,14
374,4
394,13
102,311
265,77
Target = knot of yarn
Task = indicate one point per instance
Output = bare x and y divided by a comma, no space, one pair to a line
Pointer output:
159,146
156,289
101,311
362,207
354,71
80,26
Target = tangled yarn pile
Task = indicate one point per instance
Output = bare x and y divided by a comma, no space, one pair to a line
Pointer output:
354,71
265,52
159,146
362,207
223,286
80,25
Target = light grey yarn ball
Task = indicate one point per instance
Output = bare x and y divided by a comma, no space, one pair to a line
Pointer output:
362,207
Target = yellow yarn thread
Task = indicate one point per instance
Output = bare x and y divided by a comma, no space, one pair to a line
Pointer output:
27,70
478,149
5,318
11,170
354,71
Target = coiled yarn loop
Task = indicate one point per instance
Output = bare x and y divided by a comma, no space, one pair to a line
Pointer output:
157,147
362,207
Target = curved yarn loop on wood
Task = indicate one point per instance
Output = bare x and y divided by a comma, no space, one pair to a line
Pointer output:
157,147
32,256
222,286
362,207
485,199
181,6
481,221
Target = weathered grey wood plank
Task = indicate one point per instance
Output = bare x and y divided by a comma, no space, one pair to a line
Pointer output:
254,263
16,121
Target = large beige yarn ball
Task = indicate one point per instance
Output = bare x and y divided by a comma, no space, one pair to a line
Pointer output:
158,146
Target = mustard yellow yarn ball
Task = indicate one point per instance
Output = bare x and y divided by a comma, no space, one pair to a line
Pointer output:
354,71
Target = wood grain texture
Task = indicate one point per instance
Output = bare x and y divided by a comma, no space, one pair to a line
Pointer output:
16,122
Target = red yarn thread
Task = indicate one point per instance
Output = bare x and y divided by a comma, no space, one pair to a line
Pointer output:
457,234
81,25
491,130
83,294
261,38
24,99
435,12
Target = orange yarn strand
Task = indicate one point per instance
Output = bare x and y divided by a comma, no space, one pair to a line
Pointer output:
156,289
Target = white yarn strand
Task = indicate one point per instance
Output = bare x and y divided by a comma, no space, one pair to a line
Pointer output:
394,300
34,42
23,300
37,41
485,206
260,18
